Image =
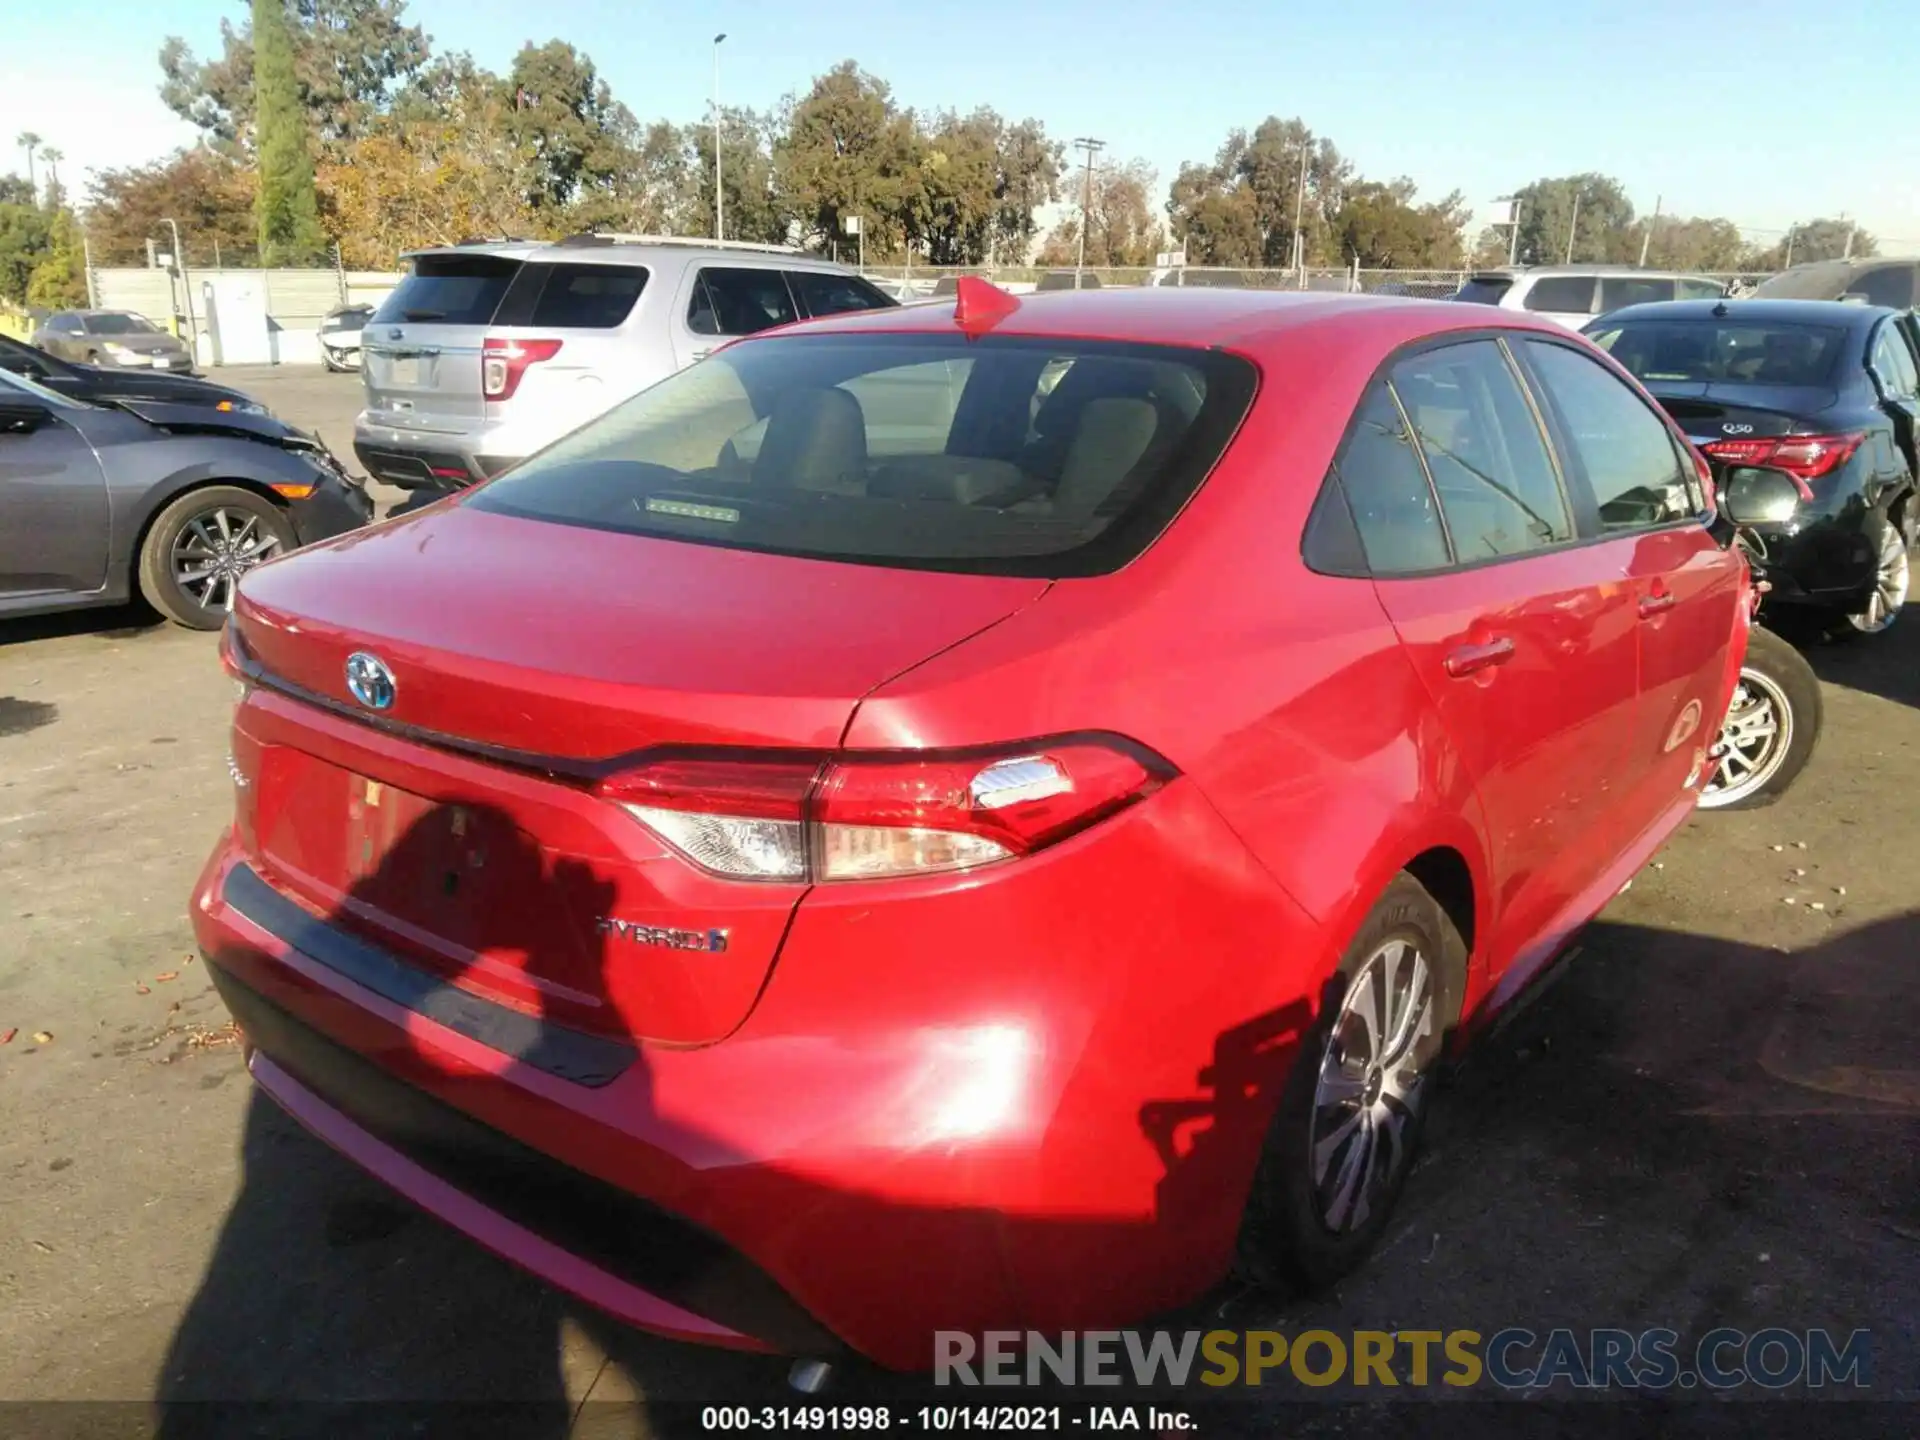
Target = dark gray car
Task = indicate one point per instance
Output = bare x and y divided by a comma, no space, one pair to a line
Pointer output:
172,503
113,337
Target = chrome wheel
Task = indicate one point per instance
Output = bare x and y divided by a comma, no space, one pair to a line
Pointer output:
1753,742
214,549
1891,580
1371,1084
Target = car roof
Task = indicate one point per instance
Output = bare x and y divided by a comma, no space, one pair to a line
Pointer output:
1519,272
1199,318
638,250
1779,312
1817,277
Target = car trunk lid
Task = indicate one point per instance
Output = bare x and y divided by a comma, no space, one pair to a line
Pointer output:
1710,412
461,828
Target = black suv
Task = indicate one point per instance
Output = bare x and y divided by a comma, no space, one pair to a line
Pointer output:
1826,391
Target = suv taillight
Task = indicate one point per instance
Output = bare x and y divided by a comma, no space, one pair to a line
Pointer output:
503,362
1804,457
867,817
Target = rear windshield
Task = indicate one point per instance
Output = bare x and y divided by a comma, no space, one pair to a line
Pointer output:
1483,289
121,325
1723,351
1003,455
449,290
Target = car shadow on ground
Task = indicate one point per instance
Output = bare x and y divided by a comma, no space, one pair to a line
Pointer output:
1887,664
1683,1131
113,622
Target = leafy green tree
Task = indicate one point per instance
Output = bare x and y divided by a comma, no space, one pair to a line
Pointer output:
1380,225
754,209
581,138
1593,210
352,59
287,208
1824,239
1676,242
59,280
25,233
1241,209
849,150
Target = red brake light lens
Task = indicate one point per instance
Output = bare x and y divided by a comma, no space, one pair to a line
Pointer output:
863,817
1804,457
504,362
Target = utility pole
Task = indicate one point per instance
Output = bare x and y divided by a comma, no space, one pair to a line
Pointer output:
719,196
1789,264
1852,230
1513,226
1092,147
1647,239
186,289
1300,211
1574,228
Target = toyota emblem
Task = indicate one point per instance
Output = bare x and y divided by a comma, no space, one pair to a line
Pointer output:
369,680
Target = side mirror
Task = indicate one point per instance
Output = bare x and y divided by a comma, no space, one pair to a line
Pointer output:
1754,496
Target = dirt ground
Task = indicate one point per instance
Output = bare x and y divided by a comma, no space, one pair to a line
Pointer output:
1709,1120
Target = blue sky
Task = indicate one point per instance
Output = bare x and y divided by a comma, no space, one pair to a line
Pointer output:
1764,111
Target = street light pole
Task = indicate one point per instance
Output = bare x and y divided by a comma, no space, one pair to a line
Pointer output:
1574,228
186,289
719,196
1092,147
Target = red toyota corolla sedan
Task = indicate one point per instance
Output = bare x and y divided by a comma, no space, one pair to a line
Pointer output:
952,818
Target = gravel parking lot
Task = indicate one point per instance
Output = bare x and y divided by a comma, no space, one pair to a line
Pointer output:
1709,1120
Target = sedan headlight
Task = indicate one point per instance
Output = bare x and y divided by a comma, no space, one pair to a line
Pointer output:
115,348
243,407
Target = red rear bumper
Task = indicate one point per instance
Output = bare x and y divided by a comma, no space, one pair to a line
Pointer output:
1030,1100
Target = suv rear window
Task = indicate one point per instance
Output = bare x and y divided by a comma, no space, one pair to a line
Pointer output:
1484,289
1727,352
997,455
449,290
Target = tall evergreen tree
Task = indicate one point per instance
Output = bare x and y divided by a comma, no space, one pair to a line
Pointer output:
287,209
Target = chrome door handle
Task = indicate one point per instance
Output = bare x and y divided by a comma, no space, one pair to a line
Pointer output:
1471,659
1656,603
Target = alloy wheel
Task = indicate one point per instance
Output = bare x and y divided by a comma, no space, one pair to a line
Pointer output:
214,549
1371,1084
1891,581
1753,743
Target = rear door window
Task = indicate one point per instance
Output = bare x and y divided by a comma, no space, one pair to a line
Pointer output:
1561,294
449,290
1619,290
1491,468
824,293
1625,451
739,300
583,297
1386,487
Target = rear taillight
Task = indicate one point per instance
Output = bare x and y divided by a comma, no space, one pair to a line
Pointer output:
1804,457
504,362
869,817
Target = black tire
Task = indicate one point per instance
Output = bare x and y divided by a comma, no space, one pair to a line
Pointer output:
164,589
1290,1232
1773,676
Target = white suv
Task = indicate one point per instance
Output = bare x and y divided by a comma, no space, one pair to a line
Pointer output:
489,351
1574,294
